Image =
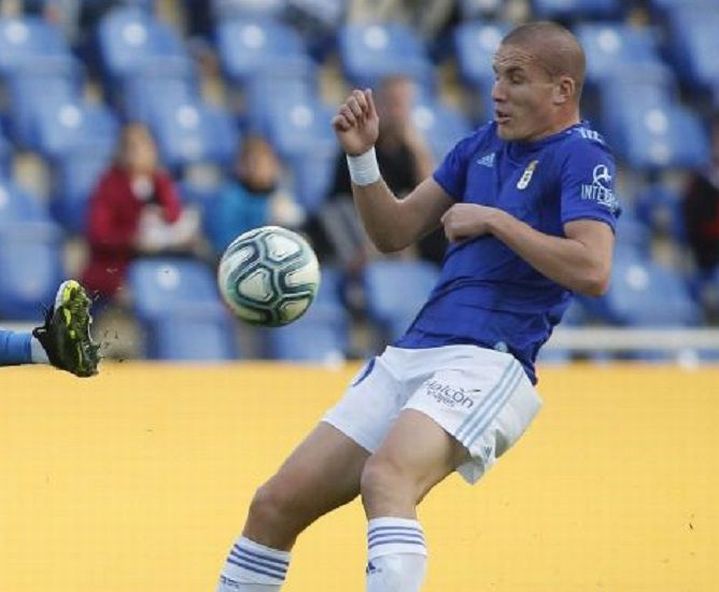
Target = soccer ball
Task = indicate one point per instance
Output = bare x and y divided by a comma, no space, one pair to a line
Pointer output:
268,276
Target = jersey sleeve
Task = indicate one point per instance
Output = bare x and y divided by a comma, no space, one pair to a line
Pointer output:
587,185
451,174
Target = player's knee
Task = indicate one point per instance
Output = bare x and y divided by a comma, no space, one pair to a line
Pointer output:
269,505
384,481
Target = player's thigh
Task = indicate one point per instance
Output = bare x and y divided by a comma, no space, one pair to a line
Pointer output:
419,452
322,473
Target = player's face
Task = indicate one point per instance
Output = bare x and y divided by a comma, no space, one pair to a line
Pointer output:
522,95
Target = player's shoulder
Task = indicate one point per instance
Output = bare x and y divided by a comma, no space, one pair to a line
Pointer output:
582,138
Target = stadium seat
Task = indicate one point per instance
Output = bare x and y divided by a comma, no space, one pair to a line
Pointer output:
610,46
296,126
395,290
692,43
650,138
633,232
31,268
474,45
570,10
321,334
191,337
31,44
171,285
659,207
644,294
229,9
247,47
193,132
18,206
143,96
476,9
370,52
131,41
6,157
441,126
183,293
74,176
31,94
313,174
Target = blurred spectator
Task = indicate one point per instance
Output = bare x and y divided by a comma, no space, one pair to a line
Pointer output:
134,210
701,209
404,160
250,197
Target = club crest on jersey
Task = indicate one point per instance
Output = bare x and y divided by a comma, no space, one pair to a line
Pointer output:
527,175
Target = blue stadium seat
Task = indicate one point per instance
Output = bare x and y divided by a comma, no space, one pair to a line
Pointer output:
692,44
644,294
441,126
313,174
31,268
577,9
32,44
370,52
476,9
475,43
74,176
191,337
649,129
610,46
172,285
659,207
175,299
31,94
189,133
230,9
395,290
17,205
142,96
6,156
296,126
131,41
321,334
247,47
74,125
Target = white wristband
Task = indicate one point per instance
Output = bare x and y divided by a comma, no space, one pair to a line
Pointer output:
364,169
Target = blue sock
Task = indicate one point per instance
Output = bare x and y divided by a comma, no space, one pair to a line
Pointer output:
14,348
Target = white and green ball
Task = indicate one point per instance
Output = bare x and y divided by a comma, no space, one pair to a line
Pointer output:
268,276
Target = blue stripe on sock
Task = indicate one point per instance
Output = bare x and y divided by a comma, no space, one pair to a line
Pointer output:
383,535
378,528
403,541
269,558
239,555
250,567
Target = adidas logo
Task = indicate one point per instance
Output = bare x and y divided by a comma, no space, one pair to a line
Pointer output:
487,160
371,568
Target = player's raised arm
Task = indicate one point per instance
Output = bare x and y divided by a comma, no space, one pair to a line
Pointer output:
392,224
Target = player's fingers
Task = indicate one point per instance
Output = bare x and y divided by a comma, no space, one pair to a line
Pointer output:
361,100
355,107
340,124
346,112
370,102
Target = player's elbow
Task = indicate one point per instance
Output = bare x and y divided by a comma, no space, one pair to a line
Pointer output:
595,282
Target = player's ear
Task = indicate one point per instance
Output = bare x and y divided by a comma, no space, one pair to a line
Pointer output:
564,90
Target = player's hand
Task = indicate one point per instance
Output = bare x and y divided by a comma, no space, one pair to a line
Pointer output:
463,221
357,123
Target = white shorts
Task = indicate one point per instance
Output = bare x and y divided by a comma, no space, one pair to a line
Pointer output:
481,397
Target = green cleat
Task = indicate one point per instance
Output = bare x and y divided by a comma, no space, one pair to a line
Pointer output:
65,336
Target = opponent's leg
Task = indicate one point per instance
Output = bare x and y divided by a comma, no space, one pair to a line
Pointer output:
322,474
416,455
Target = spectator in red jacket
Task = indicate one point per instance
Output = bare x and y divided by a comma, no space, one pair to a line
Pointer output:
135,210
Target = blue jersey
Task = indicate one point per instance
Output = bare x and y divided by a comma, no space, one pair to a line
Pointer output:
487,295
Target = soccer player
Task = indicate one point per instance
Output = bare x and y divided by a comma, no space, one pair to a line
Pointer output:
63,340
527,204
